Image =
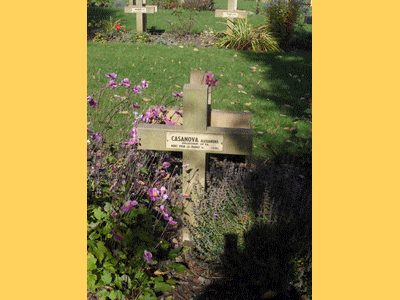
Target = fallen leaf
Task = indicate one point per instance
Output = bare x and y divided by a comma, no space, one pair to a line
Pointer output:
243,92
286,128
172,60
195,49
162,57
240,86
259,81
180,46
146,99
158,272
177,86
133,65
282,115
260,132
289,141
248,104
253,69
179,62
124,112
230,84
235,55
287,105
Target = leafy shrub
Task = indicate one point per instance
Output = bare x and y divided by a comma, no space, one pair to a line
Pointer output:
119,3
246,37
181,24
167,4
282,16
142,37
199,5
132,196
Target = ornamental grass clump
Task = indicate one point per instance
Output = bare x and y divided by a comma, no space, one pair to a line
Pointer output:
244,36
133,198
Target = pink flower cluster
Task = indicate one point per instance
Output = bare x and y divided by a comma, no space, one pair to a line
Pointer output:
210,80
167,217
126,82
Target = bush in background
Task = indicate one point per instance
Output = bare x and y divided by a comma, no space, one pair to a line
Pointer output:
199,5
282,16
167,4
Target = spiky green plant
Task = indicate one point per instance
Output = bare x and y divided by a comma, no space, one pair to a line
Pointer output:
244,36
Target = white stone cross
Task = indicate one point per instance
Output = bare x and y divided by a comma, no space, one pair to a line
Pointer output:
231,13
141,10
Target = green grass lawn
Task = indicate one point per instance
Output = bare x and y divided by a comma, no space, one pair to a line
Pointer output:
277,92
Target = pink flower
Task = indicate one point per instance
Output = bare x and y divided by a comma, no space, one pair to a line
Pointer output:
137,89
92,102
112,75
128,205
215,216
163,211
97,137
153,193
176,245
171,221
112,84
165,165
145,84
147,256
164,194
178,95
126,82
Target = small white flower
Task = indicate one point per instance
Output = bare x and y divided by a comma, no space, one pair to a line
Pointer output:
88,141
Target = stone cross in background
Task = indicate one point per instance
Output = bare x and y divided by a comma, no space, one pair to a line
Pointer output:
230,14
203,131
141,10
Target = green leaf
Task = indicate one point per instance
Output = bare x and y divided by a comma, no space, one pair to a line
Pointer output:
91,282
113,295
107,207
107,278
109,267
158,279
178,267
91,262
98,214
102,294
90,243
162,286
171,281
100,250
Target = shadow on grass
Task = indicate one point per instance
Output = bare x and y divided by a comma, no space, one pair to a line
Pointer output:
264,268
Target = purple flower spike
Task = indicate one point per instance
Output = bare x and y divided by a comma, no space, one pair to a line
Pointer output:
137,89
112,75
147,256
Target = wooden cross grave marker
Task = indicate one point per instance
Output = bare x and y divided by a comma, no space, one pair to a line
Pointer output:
231,134
231,13
141,10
